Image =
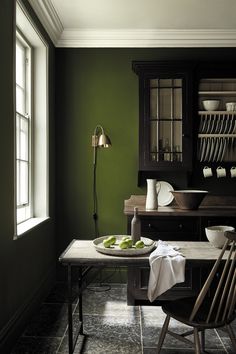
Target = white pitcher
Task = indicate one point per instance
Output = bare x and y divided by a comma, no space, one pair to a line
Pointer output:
151,199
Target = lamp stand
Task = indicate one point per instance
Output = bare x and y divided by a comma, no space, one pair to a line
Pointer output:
98,140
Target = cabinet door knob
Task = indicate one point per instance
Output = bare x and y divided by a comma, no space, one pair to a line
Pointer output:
150,226
180,226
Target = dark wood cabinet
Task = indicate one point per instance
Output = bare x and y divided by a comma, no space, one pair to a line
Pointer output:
176,130
165,108
170,224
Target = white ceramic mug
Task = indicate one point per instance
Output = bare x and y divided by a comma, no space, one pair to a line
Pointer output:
231,106
207,172
221,172
233,171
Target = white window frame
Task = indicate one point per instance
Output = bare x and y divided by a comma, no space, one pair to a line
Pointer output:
24,208
39,146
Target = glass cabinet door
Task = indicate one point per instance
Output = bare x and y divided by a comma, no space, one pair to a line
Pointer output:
166,119
165,115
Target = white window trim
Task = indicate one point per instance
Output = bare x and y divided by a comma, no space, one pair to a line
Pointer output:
28,110
40,128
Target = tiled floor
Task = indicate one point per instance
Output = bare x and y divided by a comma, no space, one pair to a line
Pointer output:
111,326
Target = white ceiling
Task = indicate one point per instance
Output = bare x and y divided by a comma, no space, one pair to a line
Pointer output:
138,23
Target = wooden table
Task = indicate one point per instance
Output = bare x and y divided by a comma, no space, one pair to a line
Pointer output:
82,254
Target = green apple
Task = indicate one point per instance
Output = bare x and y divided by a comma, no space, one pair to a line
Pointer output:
123,244
112,240
139,244
106,243
130,242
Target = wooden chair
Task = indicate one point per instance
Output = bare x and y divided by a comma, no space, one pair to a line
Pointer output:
210,309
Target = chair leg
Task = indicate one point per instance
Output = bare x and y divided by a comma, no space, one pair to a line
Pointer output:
196,341
231,335
163,333
203,340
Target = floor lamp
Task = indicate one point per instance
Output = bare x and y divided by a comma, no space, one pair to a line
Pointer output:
99,140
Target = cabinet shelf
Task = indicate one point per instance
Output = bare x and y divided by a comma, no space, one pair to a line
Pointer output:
217,93
205,135
207,113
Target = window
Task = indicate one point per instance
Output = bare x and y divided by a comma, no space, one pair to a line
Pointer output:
23,129
31,124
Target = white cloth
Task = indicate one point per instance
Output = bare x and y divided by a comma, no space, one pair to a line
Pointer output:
167,268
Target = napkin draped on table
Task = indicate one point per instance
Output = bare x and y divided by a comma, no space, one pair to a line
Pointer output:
167,268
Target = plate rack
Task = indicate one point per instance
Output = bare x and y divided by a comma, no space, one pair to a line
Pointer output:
217,136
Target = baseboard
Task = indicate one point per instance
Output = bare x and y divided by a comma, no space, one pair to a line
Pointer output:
15,326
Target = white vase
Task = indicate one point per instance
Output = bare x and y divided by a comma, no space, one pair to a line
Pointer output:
151,199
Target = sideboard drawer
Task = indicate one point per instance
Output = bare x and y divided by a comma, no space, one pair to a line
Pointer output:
171,228
138,285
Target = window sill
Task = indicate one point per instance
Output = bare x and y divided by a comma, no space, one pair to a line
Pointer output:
29,225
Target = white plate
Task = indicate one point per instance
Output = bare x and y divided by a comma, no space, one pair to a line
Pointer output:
115,250
216,149
164,196
223,149
212,145
207,149
203,148
220,150
217,127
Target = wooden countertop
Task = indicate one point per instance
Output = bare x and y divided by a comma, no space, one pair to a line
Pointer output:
212,206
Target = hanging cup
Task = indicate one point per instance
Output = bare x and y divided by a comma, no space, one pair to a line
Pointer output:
233,171
220,172
207,172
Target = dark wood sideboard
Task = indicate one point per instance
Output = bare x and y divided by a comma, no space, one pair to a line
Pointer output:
169,224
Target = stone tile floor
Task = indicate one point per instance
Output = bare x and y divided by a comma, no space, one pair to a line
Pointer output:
112,326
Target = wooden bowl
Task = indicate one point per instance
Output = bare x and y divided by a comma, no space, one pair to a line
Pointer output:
189,199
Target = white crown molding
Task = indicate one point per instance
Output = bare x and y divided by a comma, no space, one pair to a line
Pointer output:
127,38
49,18
147,38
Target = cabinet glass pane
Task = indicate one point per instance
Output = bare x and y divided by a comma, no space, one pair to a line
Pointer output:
165,99
166,119
177,103
166,140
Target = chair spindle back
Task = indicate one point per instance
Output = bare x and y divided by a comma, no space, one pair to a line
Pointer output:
224,299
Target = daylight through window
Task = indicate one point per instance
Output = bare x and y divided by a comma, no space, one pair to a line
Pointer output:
23,129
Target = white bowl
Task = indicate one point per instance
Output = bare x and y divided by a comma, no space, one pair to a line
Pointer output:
231,106
211,105
215,234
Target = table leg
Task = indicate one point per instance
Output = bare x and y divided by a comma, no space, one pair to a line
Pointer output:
72,339
69,305
80,301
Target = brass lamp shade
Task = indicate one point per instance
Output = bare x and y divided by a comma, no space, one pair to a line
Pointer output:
100,139
104,141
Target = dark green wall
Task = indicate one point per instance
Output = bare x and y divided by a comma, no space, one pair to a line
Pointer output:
97,86
27,265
